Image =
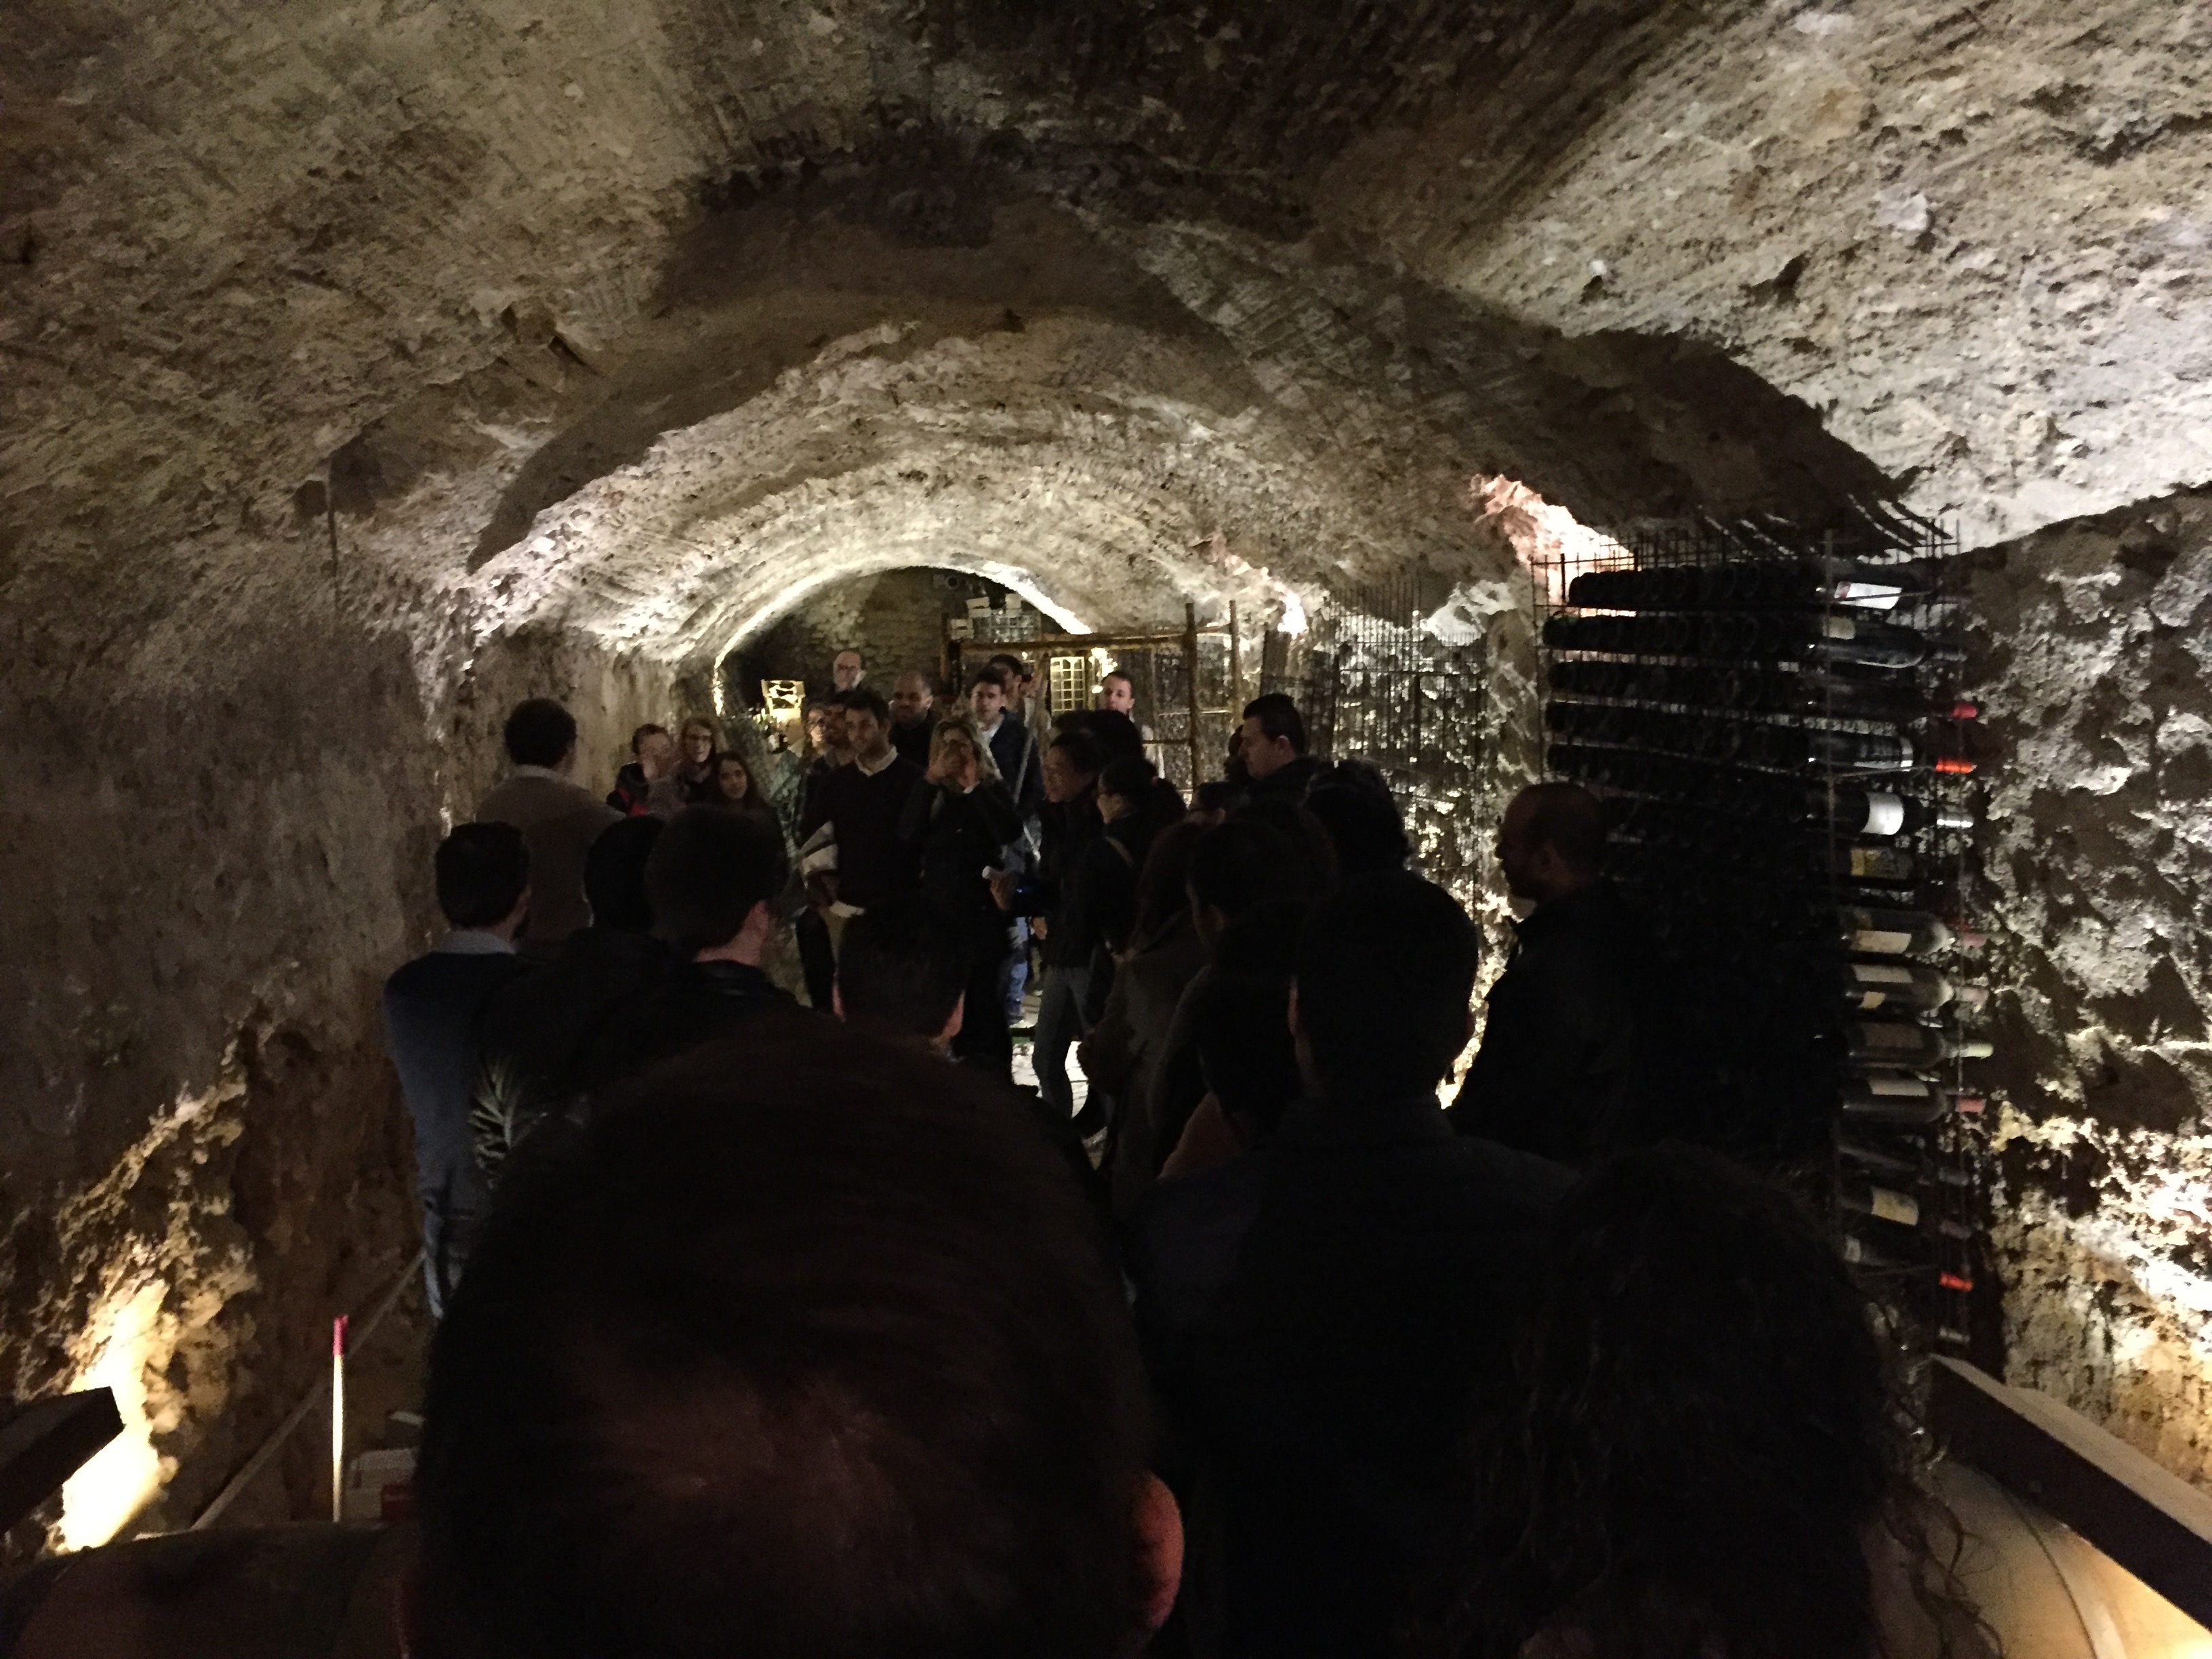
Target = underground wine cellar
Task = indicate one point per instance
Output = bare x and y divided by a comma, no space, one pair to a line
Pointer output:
371,369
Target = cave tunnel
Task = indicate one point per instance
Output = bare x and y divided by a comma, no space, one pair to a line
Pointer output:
370,368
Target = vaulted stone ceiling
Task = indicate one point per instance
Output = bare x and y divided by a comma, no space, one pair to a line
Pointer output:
367,365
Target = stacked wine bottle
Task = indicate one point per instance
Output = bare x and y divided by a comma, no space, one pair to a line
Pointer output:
1775,721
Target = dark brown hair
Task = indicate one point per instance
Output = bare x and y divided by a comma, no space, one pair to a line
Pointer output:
803,1347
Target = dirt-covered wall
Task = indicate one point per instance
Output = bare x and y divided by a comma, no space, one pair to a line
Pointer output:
2093,643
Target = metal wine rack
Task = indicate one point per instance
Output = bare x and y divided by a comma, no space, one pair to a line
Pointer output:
1707,727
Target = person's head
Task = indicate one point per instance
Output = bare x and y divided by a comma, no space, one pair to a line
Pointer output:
541,733
656,750
1273,735
1240,864
710,880
899,967
1240,1022
959,755
1125,788
845,670
1700,1439
614,874
1552,841
867,724
825,727
910,698
986,694
1118,692
1115,733
701,738
637,739
1017,674
1385,977
1164,884
733,780
484,877
1356,809
805,1346
1070,766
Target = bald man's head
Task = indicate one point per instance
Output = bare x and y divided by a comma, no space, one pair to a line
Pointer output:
1552,840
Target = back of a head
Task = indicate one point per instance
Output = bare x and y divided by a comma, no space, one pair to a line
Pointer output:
482,869
707,873
1116,735
539,732
1386,971
1354,806
614,874
1242,1026
863,699
902,966
1702,1434
807,1351
1303,830
1164,882
1244,862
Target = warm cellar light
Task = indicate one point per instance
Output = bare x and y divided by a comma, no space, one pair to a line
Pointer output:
99,1499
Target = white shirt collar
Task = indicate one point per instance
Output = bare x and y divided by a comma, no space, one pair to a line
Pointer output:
868,771
540,772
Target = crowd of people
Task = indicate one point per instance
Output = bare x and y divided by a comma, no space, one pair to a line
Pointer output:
775,1320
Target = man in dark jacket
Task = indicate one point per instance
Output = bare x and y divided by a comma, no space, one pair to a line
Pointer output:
1573,1062
1012,745
432,1010
710,880
864,799
538,1028
1372,1306
1272,744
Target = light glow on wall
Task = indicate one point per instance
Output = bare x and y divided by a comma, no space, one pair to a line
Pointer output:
101,1499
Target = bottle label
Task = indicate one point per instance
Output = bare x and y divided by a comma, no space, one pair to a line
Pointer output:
1879,942
1898,1088
1893,1206
1881,973
1878,863
1878,596
1880,1036
1885,813
1840,627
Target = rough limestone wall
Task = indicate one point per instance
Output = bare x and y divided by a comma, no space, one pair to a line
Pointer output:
215,843
1975,238
2096,855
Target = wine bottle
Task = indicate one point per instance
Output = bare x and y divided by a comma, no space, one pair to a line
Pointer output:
1831,638
1915,1170
1892,932
1889,865
1808,582
1862,1255
1907,1043
1898,1098
1857,812
1834,693
1901,1209
1892,986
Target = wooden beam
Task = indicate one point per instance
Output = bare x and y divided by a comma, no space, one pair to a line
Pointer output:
45,1442
2150,1521
1190,662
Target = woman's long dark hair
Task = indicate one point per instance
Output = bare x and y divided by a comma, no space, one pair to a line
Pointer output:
1703,1438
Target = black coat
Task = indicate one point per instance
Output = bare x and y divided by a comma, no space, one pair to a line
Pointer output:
1577,1055
956,837
1370,1315
539,1029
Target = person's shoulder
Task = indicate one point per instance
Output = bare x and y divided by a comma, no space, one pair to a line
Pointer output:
412,978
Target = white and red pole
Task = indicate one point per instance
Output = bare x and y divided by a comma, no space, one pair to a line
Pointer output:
338,1417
